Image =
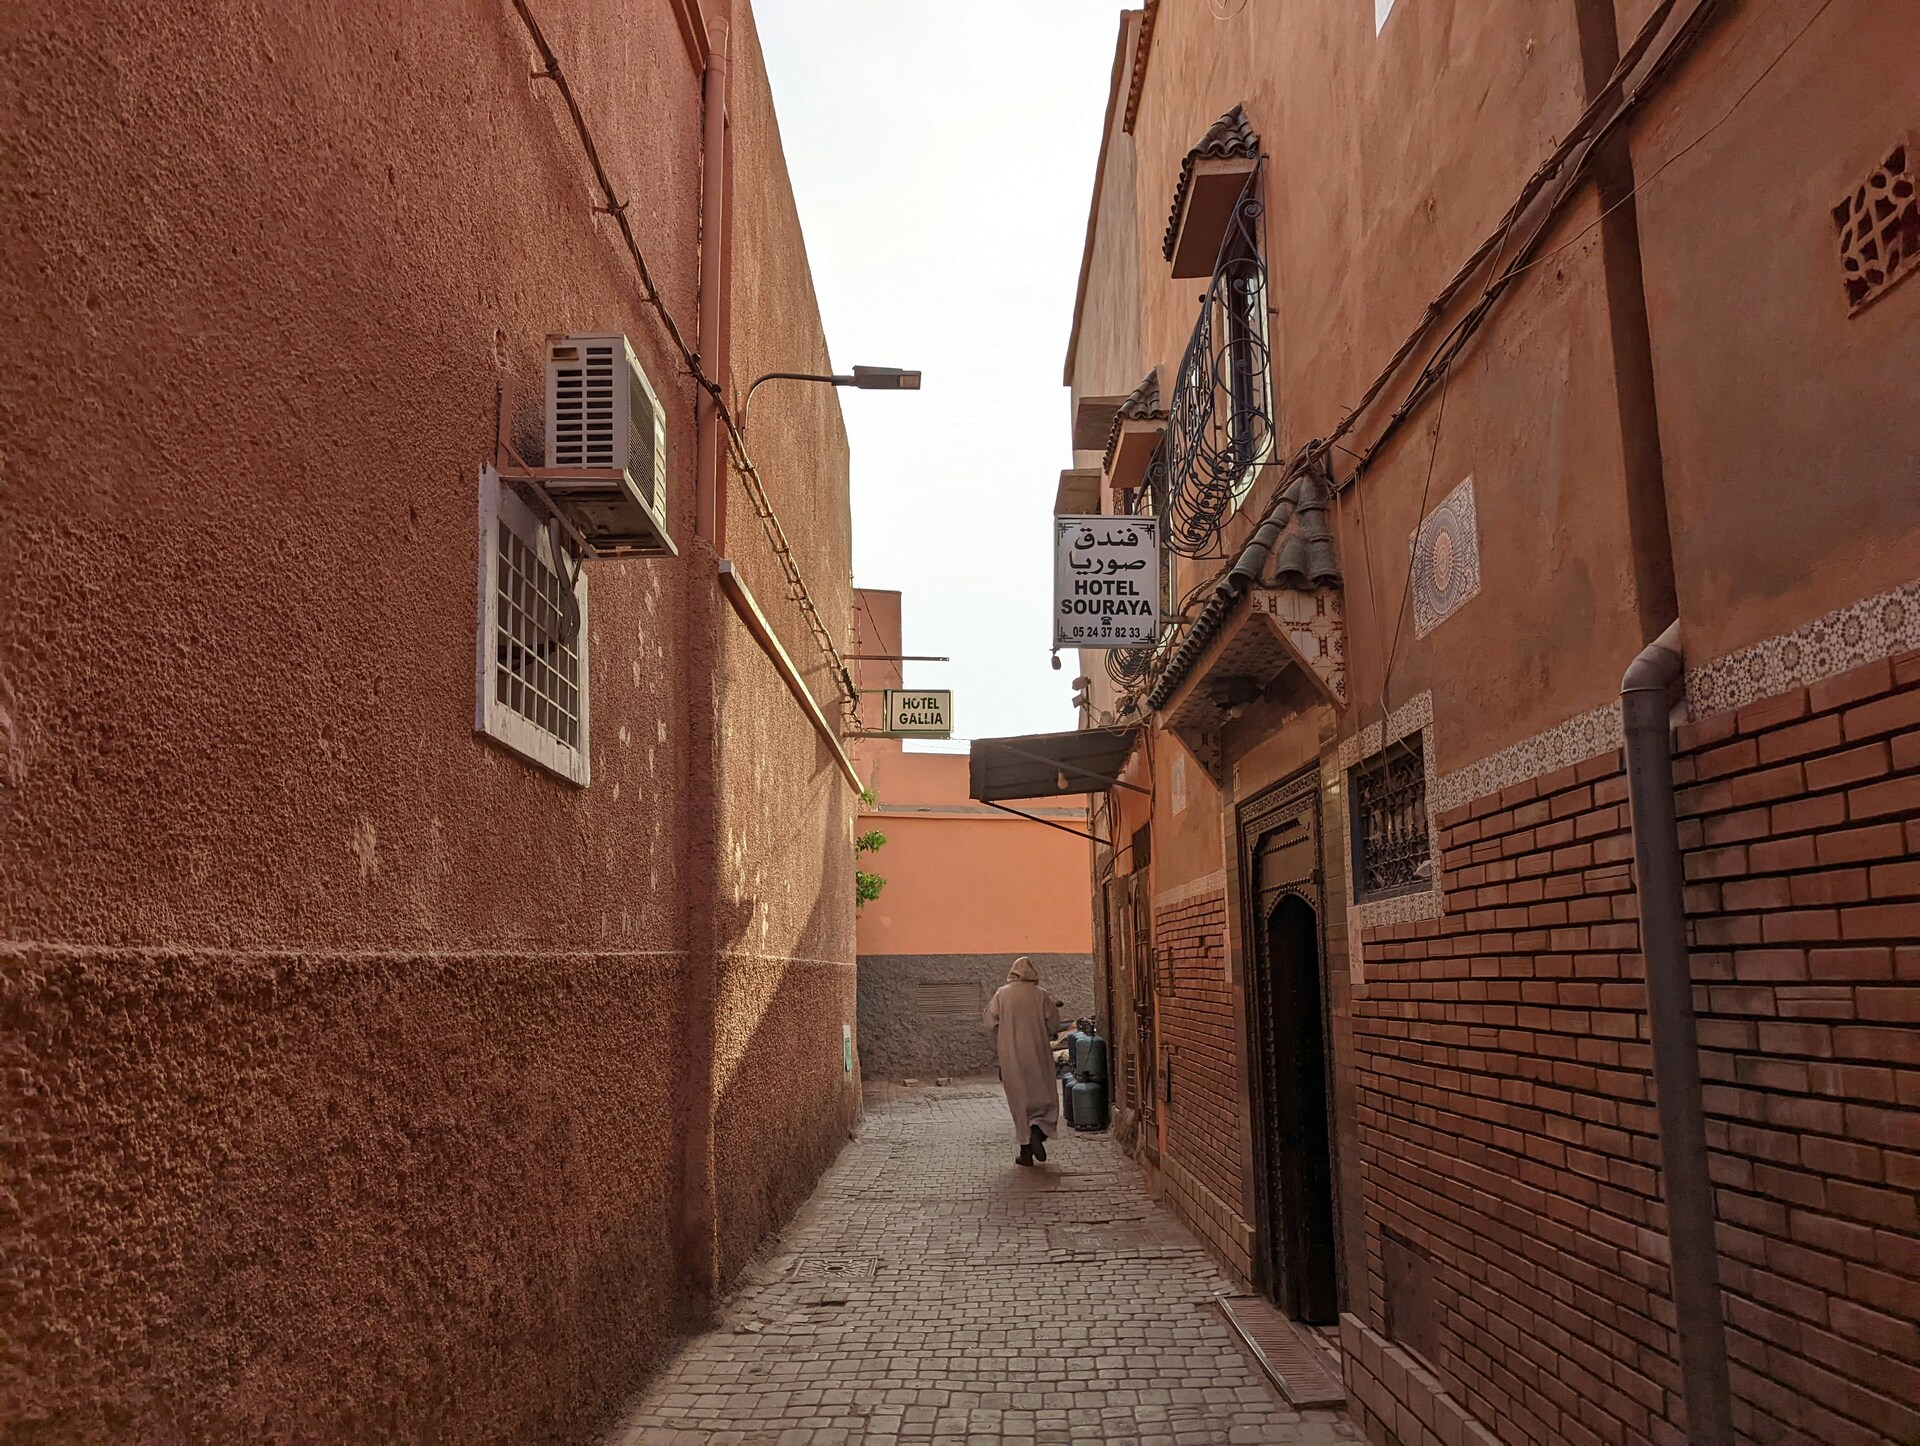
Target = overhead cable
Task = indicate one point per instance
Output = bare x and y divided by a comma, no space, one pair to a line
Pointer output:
742,461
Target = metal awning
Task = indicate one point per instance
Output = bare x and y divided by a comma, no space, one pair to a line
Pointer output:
1047,765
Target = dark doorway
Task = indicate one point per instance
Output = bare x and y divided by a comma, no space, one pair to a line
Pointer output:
1299,1160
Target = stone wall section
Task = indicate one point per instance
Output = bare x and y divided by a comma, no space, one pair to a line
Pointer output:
900,1038
1506,1118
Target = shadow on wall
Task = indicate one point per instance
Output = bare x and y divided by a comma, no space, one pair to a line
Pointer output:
785,1105
920,1013
384,1197
389,1198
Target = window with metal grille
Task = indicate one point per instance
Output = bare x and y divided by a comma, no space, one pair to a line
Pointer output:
532,655
1391,850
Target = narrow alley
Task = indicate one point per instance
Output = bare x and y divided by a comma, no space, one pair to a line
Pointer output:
934,1291
606,606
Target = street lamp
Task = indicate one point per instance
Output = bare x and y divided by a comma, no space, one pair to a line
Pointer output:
867,379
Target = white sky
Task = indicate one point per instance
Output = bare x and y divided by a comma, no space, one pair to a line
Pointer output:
942,155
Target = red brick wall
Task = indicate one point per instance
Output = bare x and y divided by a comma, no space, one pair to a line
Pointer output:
1197,1029
1802,820
1505,1113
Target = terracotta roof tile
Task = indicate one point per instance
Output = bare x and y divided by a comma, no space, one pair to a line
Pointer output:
1231,135
1142,405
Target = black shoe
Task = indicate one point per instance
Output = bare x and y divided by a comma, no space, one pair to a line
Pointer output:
1037,1143
1025,1157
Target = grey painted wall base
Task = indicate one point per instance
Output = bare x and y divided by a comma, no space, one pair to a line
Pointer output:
920,1013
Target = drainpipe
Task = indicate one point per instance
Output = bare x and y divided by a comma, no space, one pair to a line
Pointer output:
1695,1261
697,1236
714,186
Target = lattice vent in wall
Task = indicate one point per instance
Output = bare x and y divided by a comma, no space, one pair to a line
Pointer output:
1879,230
948,999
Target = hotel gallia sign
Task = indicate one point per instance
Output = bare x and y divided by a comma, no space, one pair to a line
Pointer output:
1106,582
922,713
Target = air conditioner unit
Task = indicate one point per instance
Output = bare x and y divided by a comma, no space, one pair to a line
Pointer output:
606,445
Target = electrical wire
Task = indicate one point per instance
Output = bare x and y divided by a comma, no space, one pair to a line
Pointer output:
1654,174
738,455
1571,156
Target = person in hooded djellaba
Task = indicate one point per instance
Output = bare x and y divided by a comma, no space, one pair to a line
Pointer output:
1027,1018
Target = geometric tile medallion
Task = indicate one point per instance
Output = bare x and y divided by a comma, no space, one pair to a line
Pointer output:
1446,560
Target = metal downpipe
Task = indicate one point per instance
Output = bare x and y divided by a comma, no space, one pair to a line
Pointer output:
1694,1255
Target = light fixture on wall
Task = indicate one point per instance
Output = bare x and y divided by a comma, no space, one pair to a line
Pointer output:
866,379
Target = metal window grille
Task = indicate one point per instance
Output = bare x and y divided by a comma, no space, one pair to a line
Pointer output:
1392,851
531,658
1220,420
537,672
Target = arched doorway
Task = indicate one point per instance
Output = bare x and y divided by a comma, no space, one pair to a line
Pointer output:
1299,1161
1288,1050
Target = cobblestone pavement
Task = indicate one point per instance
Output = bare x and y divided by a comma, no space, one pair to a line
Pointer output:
934,1291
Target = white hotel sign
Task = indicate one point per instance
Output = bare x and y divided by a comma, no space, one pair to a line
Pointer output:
1106,582
922,713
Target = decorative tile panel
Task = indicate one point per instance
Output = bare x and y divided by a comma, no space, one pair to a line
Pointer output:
1316,627
1446,560
1873,628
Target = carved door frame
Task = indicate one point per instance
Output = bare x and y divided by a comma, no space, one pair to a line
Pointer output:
1292,803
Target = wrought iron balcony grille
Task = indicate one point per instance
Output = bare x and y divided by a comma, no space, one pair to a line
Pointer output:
1392,853
1129,667
1219,420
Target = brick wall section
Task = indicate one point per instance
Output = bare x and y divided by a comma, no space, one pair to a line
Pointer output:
1801,817
1506,1120
1505,1109
1195,1016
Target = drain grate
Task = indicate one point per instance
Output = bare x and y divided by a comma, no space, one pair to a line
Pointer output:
832,1267
1298,1365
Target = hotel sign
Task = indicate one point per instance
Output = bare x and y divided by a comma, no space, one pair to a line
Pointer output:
918,713
1106,582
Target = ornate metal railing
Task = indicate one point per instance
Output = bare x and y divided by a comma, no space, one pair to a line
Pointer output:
1219,419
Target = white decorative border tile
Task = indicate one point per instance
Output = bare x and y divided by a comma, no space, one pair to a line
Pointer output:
1411,716
1213,883
1446,560
1566,743
1871,629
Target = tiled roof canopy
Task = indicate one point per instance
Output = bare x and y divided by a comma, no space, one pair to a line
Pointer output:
1229,137
1304,558
1142,405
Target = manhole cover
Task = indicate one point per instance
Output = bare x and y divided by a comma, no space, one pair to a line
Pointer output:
829,1267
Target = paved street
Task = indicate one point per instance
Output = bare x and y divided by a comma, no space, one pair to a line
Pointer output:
933,1291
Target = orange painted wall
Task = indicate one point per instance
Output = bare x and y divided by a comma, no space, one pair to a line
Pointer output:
962,878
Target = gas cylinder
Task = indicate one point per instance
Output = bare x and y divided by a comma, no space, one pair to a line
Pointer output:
1091,1062
1089,1105
1076,1038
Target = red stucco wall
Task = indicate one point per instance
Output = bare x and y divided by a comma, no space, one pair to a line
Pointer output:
343,1048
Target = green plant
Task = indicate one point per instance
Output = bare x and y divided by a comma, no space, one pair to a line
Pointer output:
866,886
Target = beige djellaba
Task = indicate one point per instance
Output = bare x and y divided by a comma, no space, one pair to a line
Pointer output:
1027,1018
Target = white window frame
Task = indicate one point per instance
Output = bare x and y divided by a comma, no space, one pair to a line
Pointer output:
493,718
